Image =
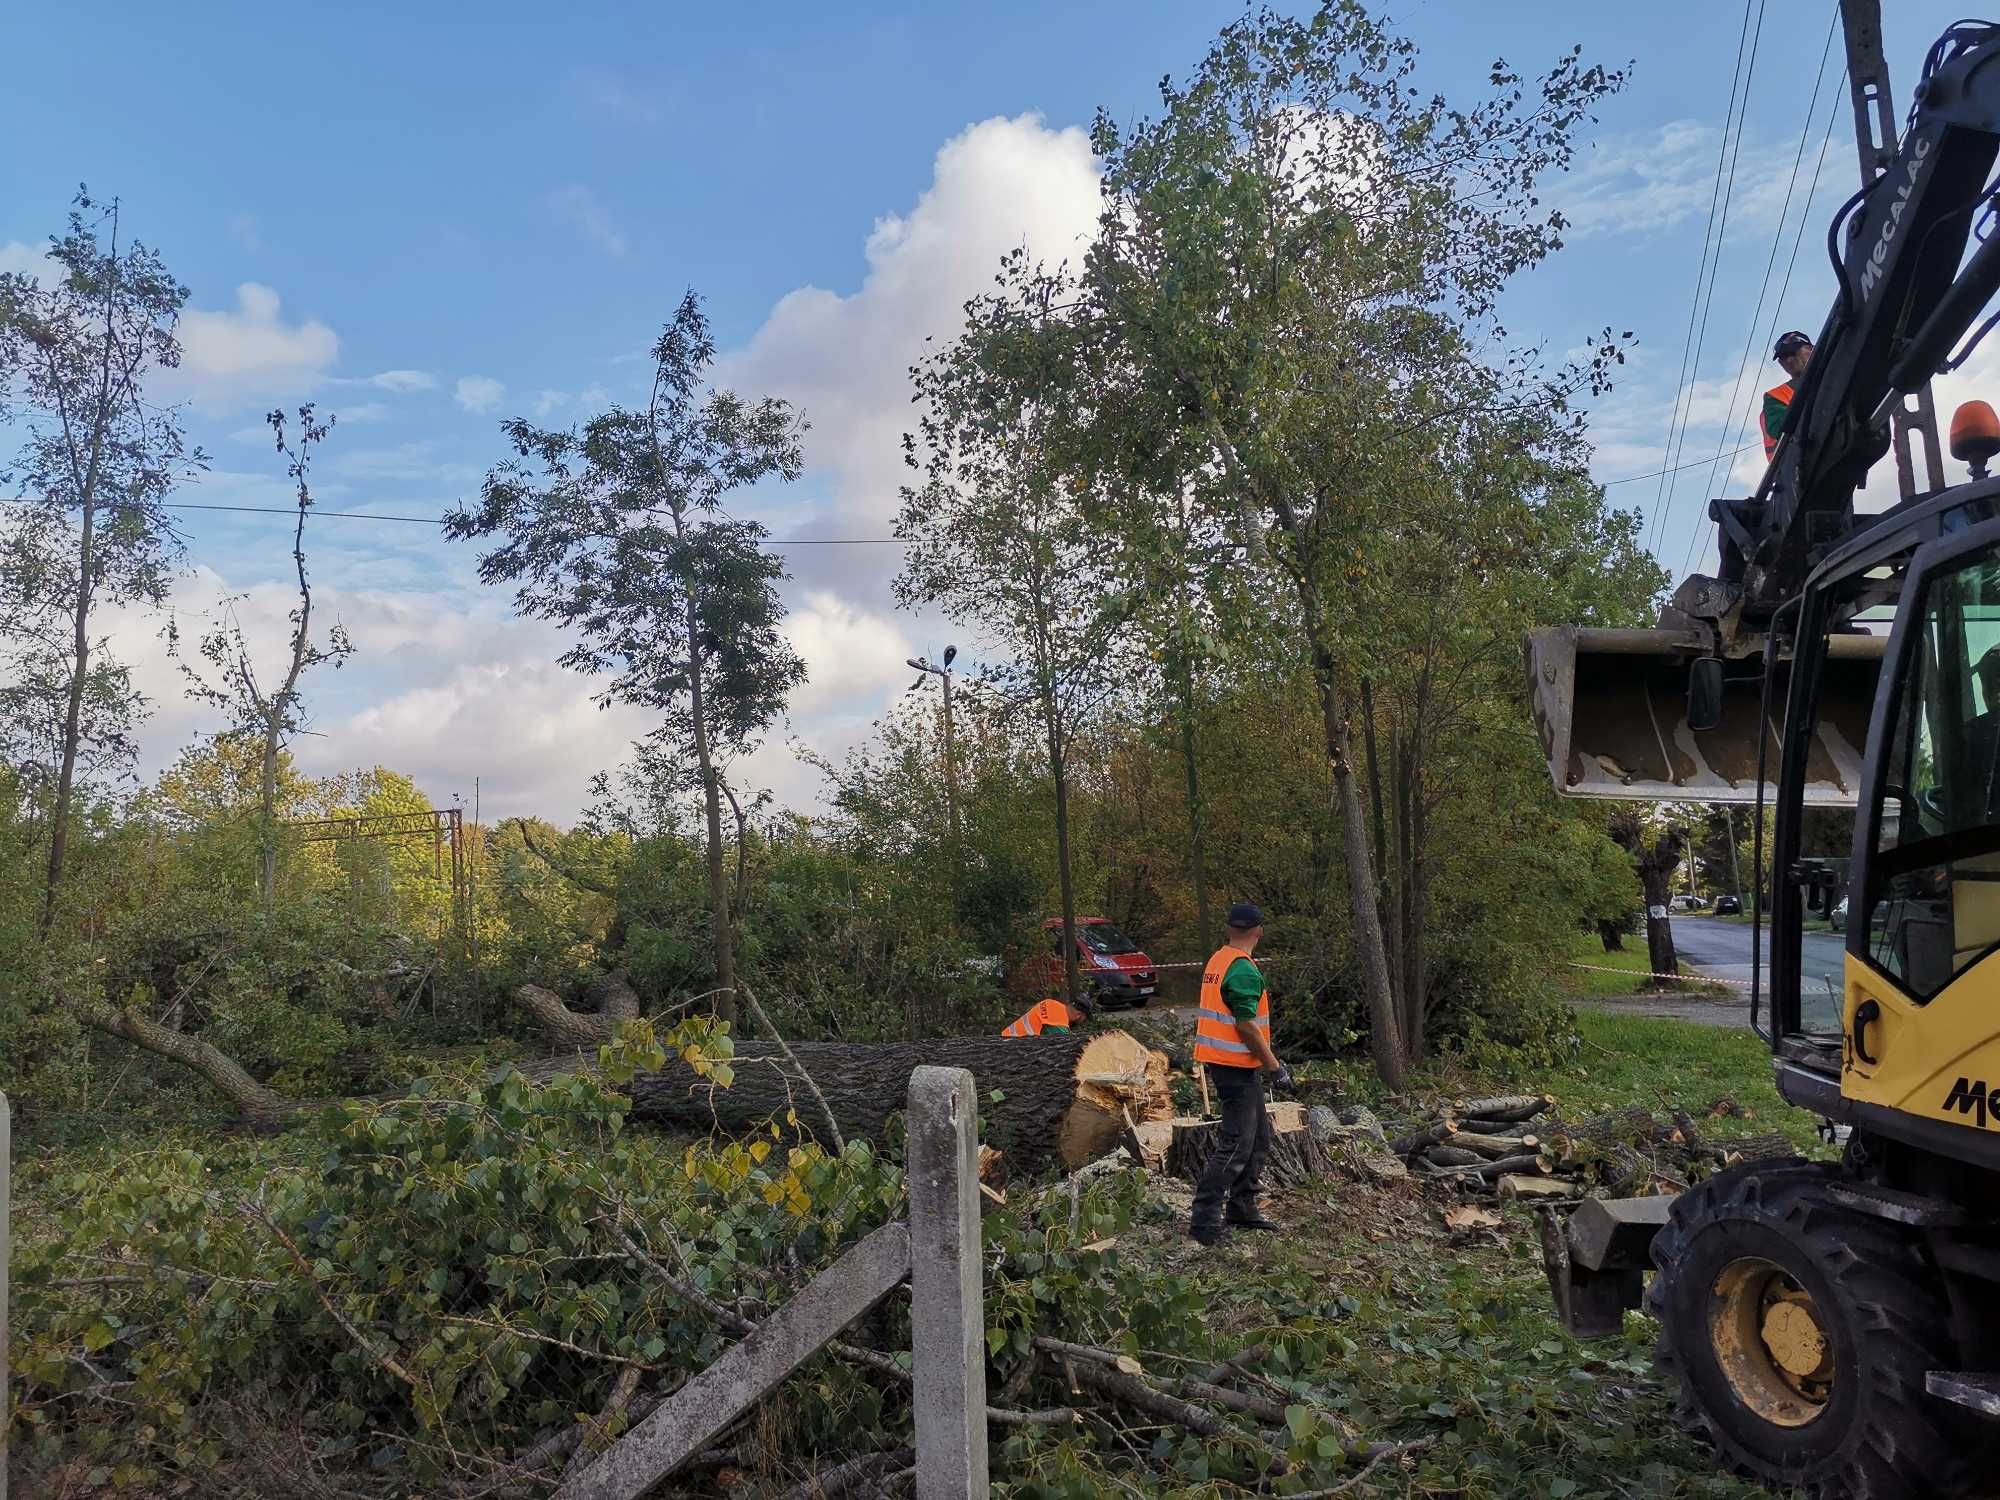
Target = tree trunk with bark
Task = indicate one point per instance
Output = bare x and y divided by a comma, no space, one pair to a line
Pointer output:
72,724
1654,861
722,930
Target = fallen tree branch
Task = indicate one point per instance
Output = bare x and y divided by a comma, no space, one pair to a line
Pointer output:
1373,1455
374,1350
845,1478
749,999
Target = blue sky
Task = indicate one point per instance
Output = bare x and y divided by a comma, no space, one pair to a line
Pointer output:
426,225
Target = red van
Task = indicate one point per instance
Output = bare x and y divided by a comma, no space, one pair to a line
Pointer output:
1110,970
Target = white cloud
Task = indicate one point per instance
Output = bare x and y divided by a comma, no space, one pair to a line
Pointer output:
19,259
404,381
548,401
851,654
250,351
594,396
584,211
361,411
844,359
479,393
1649,181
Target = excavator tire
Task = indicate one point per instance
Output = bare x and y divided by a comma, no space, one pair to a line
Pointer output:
1799,1332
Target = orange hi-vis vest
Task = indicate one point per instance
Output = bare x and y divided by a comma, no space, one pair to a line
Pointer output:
1782,394
1216,1039
1042,1013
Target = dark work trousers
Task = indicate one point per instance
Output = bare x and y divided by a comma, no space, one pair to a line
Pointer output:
1243,1140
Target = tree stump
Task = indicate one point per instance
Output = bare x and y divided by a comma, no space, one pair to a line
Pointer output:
1296,1156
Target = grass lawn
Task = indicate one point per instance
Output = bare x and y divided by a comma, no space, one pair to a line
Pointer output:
1629,965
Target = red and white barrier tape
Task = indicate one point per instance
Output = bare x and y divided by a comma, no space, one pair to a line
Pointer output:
1741,984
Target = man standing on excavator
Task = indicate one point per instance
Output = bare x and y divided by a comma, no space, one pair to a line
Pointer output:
1794,353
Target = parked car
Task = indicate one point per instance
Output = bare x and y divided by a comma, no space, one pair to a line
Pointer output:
1688,903
1837,918
1728,906
1111,969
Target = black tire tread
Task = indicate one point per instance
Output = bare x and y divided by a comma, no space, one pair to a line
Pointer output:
1907,1447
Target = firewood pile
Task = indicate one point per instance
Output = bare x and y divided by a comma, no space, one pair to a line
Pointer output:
1515,1147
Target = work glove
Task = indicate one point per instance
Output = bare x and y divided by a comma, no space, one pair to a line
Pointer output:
1282,1080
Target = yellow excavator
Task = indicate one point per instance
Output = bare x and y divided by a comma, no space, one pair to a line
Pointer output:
1834,1325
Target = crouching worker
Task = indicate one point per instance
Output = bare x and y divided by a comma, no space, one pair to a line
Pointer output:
1233,1041
1048,1018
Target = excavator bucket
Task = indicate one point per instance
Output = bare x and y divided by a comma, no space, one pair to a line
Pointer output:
1612,710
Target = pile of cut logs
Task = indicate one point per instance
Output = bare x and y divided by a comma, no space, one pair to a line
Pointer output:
1515,1147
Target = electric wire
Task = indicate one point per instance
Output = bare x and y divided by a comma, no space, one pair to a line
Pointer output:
1763,290
1654,529
1715,266
1791,263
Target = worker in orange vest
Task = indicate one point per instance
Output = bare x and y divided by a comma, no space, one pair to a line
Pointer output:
1048,1018
1793,352
1232,1039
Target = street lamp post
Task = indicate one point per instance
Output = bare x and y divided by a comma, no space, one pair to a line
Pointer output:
943,673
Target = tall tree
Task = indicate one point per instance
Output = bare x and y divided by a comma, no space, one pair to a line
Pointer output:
618,532
96,462
1299,260
996,537
271,716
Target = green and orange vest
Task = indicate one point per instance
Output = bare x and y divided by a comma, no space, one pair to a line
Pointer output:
1217,1042
1771,420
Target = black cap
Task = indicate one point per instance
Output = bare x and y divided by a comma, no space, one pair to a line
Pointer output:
1789,343
1244,915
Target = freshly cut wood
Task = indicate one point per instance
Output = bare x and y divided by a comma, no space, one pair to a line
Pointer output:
1295,1157
1493,1147
1154,1138
1116,1075
1429,1135
1754,1148
1506,1107
1519,1185
1040,1081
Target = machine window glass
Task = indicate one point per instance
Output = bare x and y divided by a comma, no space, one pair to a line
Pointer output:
1934,888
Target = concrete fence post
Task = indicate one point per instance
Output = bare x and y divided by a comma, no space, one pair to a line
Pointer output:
948,1322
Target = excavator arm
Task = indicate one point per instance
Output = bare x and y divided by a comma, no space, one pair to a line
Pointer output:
1672,713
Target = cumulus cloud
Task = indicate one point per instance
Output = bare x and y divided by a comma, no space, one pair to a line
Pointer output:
403,381
844,358
250,350
548,401
581,208
478,393
21,259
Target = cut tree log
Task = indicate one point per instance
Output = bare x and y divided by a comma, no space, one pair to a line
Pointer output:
1519,1185
1060,1097
1429,1135
1493,1147
1295,1158
1507,1107
1451,1156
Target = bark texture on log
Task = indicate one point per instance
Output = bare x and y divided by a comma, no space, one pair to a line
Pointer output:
612,998
1296,1156
1037,1078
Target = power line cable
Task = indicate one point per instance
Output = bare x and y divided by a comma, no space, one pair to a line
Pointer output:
1764,288
368,515
1715,265
1791,263
1653,529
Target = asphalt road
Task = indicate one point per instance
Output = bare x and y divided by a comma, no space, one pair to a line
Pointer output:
1721,950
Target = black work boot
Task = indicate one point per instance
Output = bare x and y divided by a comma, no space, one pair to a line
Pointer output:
1205,1234
1254,1219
